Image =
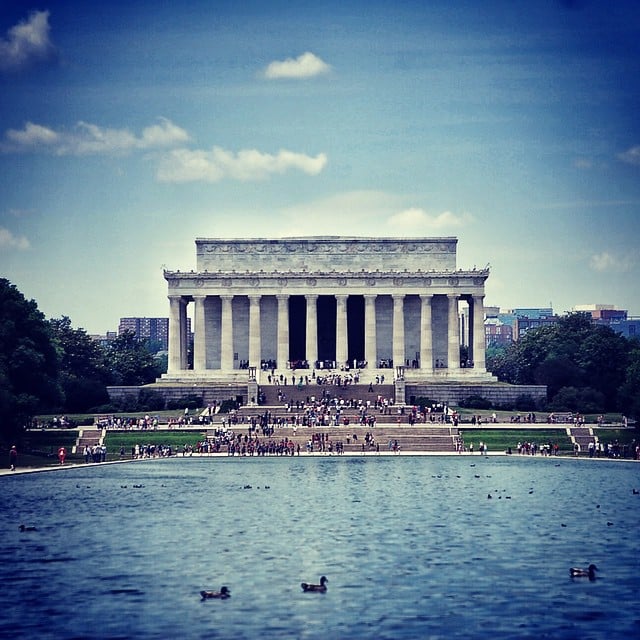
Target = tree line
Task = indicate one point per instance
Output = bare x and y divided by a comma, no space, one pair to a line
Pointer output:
48,366
587,367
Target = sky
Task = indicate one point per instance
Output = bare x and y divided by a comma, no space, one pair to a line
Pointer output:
128,129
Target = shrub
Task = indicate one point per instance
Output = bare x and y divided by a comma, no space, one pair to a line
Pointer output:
190,402
151,400
525,402
475,402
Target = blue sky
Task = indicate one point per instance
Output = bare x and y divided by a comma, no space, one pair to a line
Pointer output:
129,129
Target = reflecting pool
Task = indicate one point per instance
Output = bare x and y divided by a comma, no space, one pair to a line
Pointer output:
413,547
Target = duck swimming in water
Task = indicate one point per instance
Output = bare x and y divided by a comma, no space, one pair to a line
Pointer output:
589,572
223,594
24,527
319,588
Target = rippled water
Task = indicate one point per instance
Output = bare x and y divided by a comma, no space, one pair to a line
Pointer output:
412,546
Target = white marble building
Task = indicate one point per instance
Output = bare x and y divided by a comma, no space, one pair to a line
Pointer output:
261,304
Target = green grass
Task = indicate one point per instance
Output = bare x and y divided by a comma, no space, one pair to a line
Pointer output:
127,439
502,439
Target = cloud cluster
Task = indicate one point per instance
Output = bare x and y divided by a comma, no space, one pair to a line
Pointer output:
10,241
416,218
89,139
606,261
631,156
306,65
185,165
26,43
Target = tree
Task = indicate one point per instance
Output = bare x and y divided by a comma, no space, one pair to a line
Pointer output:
83,374
629,393
28,362
129,361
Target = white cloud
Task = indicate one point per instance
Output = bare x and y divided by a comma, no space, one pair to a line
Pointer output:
306,65
9,241
26,43
606,261
631,156
185,165
88,139
419,219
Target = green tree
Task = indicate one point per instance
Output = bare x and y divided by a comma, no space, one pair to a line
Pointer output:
83,374
629,393
28,362
129,361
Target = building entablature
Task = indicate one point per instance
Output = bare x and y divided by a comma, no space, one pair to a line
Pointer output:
459,282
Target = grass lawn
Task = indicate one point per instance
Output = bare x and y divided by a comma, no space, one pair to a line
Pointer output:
127,439
502,439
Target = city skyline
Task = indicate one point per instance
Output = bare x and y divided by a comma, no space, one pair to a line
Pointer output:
128,130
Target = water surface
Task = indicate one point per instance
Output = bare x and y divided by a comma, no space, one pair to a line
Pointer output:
413,548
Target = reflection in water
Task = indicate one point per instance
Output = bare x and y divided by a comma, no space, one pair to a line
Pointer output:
412,548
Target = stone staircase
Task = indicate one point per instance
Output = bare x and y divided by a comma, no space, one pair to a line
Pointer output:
88,437
582,436
307,393
421,437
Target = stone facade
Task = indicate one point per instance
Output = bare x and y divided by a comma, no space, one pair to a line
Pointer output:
326,303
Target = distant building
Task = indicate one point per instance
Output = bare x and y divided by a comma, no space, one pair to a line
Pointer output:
602,312
104,340
505,326
497,333
154,330
617,319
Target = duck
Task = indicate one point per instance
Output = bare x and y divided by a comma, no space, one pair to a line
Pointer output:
319,588
223,594
589,572
24,527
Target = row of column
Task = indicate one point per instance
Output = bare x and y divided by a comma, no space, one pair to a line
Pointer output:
178,331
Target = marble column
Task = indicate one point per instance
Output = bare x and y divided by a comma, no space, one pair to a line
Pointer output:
453,333
370,337
226,333
312,330
342,347
175,333
479,339
199,335
254,331
283,331
426,333
184,335
398,330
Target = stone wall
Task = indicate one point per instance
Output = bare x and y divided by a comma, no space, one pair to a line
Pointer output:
497,394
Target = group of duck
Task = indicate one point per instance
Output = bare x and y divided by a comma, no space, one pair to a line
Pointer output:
224,592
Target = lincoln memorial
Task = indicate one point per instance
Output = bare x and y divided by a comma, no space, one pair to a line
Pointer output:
260,307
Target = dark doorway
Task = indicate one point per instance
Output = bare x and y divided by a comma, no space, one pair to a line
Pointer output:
355,329
297,328
326,328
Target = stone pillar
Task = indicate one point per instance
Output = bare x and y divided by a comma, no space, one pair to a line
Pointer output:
226,333
479,339
199,335
184,335
312,330
175,333
453,351
342,347
398,330
426,333
370,338
254,331
283,331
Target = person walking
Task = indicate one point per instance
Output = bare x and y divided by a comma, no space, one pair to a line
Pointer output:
13,458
